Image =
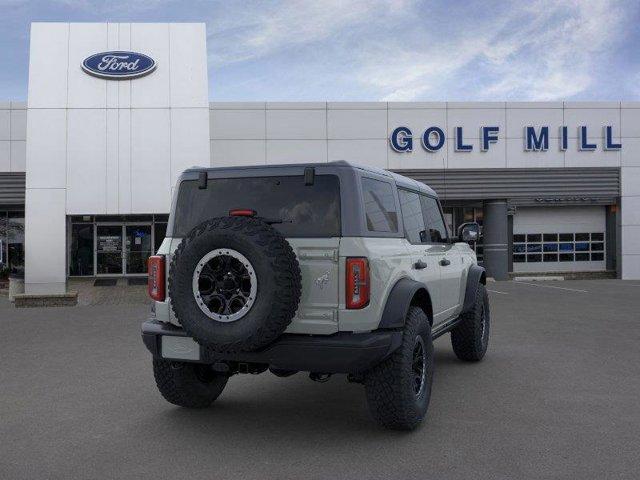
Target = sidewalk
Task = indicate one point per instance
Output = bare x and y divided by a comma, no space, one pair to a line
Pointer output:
121,294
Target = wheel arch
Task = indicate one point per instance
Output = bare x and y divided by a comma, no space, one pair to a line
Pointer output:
404,294
477,275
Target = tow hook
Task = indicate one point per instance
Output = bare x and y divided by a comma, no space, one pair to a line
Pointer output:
319,377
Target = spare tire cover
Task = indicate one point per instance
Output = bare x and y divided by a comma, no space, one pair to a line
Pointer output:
234,283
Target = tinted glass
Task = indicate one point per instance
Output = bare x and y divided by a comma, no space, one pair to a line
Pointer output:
305,210
412,216
379,206
582,246
566,247
437,232
160,231
3,243
81,258
15,241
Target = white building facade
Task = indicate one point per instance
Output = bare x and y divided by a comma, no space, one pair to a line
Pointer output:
556,184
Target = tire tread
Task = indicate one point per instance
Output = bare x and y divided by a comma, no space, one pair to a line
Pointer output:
283,263
391,401
466,337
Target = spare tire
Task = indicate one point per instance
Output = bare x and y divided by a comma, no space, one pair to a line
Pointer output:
234,283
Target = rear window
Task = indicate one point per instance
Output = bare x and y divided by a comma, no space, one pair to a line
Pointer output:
306,211
379,206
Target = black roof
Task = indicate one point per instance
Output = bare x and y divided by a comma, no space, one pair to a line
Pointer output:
400,180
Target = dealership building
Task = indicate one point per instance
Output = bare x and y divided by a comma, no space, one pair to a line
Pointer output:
116,111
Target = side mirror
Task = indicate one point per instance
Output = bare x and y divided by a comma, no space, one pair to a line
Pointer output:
469,232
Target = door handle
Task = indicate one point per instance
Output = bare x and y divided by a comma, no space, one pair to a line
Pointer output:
419,265
444,262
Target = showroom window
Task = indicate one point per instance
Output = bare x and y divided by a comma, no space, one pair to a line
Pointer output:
455,216
4,267
558,247
81,258
11,242
114,245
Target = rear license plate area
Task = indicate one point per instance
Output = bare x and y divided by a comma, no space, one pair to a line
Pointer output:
180,348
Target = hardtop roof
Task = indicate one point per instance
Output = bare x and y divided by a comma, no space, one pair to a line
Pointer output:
400,180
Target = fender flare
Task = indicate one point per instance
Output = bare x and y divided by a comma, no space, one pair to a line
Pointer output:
398,303
475,276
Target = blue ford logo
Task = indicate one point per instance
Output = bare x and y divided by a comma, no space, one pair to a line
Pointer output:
118,65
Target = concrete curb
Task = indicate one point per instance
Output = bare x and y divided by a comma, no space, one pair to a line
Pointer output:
544,278
68,299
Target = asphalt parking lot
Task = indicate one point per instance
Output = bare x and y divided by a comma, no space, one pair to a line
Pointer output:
558,396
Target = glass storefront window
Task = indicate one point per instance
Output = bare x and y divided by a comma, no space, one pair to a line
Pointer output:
4,266
138,245
468,215
456,216
15,241
109,249
81,253
113,245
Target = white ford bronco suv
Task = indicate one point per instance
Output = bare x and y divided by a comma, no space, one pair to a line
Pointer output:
323,268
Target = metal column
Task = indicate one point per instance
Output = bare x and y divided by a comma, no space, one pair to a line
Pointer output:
496,239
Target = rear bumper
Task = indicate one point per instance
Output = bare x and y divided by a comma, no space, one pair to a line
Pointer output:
339,353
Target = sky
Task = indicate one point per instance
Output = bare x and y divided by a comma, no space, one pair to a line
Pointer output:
377,50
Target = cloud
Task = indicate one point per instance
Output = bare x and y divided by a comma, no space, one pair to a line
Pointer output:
546,51
400,50
557,56
261,29
408,50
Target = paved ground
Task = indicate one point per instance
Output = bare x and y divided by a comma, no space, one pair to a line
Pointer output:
119,294
558,396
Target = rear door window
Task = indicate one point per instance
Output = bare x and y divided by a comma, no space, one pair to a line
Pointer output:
436,229
412,217
379,206
305,210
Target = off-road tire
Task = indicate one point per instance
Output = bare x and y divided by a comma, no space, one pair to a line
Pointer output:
189,385
278,279
470,338
389,386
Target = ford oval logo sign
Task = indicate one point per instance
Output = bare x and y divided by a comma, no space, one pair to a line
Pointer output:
118,65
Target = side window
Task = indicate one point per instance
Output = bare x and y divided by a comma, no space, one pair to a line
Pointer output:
412,216
437,232
379,206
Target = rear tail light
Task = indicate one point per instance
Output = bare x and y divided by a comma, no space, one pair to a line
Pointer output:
242,212
358,287
156,281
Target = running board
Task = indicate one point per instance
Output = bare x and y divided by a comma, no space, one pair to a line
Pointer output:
445,327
